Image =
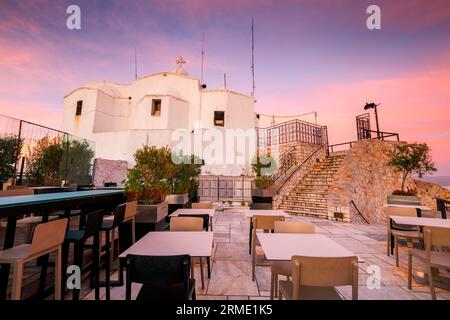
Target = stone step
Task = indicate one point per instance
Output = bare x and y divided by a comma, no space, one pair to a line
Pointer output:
314,209
306,205
307,213
305,199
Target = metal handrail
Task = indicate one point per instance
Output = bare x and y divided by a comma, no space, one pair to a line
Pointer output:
441,206
300,166
359,212
284,162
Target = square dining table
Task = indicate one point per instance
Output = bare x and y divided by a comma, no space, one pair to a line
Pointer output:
171,243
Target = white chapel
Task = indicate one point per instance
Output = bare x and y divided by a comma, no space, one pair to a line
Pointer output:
120,118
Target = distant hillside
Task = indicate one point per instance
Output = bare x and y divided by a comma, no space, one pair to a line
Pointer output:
442,180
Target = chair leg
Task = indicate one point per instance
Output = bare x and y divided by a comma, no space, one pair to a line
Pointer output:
201,272
409,270
113,244
108,266
64,263
388,245
253,267
78,254
208,265
58,262
276,285
272,281
95,272
396,250
430,282
133,230
17,281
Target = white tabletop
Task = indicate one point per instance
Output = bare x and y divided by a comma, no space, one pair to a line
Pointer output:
276,213
209,212
423,222
423,208
168,243
282,246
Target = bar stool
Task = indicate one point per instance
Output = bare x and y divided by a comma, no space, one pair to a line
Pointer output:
48,237
78,237
130,217
109,226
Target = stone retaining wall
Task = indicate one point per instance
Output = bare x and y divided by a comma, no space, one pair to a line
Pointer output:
109,171
364,178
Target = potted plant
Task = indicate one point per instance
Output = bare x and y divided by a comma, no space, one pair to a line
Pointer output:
263,166
414,158
148,184
183,182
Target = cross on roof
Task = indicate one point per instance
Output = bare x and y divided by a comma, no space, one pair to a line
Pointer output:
180,61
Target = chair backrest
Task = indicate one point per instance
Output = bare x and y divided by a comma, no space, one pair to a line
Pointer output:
261,206
436,237
130,209
119,215
324,272
202,205
265,222
205,218
294,227
93,224
186,224
158,271
48,235
16,192
399,211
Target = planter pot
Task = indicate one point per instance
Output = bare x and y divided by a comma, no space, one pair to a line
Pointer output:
262,195
403,200
177,198
150,218
176,201
151,213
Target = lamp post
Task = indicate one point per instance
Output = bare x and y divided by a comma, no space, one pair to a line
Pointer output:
374,107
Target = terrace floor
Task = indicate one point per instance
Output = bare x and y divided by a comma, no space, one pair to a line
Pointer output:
231,264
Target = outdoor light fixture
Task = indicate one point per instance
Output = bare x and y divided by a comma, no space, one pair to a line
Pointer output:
374,107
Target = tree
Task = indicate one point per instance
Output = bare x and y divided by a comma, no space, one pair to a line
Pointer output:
9,147
411,158
76,162
43,161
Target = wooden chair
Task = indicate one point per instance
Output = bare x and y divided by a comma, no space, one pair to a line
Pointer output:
433,237
266,223
202,205
395,231
284,267
129,217
314,278
48,237
181,223
186,224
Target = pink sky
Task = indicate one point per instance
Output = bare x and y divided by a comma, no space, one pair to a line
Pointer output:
310,56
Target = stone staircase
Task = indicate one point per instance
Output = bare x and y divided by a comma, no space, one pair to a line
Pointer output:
309,196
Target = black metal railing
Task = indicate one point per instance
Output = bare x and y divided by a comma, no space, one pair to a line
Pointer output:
291,132
277,188
287,161
381,135
359,212
442,205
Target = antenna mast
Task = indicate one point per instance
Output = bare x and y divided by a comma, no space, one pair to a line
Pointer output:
253,60
135,64
203,58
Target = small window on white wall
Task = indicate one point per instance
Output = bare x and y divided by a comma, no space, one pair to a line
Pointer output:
79,108
219,118
156,107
